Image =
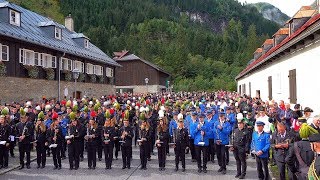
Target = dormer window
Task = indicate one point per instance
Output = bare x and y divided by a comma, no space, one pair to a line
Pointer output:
86,43
14,17
57,33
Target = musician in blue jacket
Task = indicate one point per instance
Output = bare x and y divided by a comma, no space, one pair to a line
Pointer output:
192,123
201,132
210,120
222,129
260,146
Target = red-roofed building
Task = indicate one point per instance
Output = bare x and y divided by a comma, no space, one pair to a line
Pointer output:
284,67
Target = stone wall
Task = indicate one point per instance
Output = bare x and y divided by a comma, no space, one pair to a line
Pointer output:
142,89
16,89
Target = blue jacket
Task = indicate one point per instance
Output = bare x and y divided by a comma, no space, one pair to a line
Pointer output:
64,126
48,123
173,125
197,133
202,107
222,134
211,126
232,119
261,142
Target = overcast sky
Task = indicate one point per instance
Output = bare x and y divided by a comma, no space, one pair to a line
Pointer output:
290,7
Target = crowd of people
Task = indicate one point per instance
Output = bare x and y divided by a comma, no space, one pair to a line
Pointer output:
207,125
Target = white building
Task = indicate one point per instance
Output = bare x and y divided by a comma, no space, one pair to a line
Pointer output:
287,67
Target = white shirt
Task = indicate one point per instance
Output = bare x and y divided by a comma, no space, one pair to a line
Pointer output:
309,120
265,120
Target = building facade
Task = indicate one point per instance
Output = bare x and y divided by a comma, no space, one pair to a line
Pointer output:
285,67
36,51
131,77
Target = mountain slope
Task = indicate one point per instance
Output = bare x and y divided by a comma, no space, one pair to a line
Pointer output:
204,44
271,12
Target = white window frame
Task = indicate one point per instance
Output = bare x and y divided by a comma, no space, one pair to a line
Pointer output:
58,33
90,68
16,19
79,65
23,58
109,72
98,70
86,43
1,53
66,64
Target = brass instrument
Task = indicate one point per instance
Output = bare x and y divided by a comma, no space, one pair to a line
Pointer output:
23,132
69,136
231,142
173,137
218,141
87,135
54,145
158,142
123,137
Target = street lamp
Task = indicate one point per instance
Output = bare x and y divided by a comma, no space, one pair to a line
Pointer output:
76,74
146,80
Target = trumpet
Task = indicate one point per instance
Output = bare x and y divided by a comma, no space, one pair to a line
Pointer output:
54,145
158,142
69,136
88,135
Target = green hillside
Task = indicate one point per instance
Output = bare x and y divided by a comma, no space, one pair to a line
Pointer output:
204,44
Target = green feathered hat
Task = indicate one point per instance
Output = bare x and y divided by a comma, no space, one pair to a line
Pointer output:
96,107
72,116
142,116
68,103
126,115
5,111
85,109
306,130
22,112
41,115
107,114
75,108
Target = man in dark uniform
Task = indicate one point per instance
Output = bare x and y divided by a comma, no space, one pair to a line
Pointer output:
24,134
281,141
126,133
314,170
241,146
75,136
181,140
4,142
100,120
301,153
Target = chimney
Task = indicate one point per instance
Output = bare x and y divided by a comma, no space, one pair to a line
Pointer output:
68,22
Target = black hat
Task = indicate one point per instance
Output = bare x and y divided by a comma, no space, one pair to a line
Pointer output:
297,106
262,109
307,109
302,119
314,138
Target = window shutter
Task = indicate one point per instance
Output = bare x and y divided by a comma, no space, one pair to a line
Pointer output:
54,62
21,55
270,87
293,86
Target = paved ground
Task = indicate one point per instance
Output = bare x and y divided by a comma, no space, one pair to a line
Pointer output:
134,173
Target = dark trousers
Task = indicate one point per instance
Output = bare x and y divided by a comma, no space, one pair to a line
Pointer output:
56,155
99,147
117,148
282,170
63,148
180,155
144,154
108,154
24,149
12,145
126,155
4,155
153,141
74,154
162,155
262,168
221,155
92,156
227,155
204,150
192,148
211,150
241,161
41,154
81,146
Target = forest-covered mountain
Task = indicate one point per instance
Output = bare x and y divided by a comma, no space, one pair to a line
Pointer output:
204,44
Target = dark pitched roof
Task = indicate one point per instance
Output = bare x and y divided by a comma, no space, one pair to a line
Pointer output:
290,39
132,57
31,31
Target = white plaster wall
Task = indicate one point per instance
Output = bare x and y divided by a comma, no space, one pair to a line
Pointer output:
306,61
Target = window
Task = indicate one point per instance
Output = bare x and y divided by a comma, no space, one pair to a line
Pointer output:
79,65
86,43
98,70
66,64
109,72
57,32
4,53
14,18
49,61
90,69
26,57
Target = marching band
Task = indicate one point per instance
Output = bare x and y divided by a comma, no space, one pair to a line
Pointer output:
205,124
